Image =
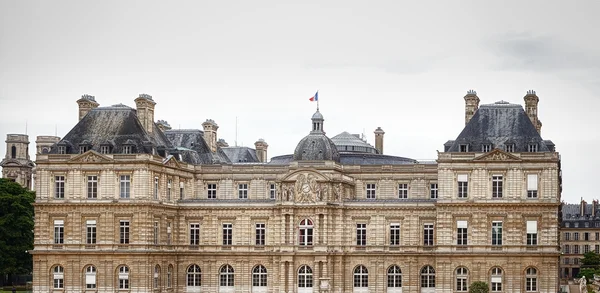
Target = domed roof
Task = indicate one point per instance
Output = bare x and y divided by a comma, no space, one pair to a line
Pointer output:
317,115
346,142
316,147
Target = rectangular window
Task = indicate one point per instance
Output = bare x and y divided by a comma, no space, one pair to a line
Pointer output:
461,232
211,190
125,186
195,234
59,231
260,233
92,187
90,231
104,149
156,233
463,185
531,232
497,186
486,148
463,148
272,191
181,189
371,191
127,149
576,236
395,234
532,148
428,234
227,234
169,235
566,260
243,191
568,236
433,191
497,233
361,234
567,249
597,236
169,183
59,187
62,150
597,248
124,231
576,261
532,185
576,249
155,187
586,248
510,148
83,149
403,190
586,236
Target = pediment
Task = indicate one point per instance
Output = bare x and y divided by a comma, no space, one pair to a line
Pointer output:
171,162
497,155
304,173
90,157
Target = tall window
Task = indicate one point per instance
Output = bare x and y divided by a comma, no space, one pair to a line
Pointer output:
127,149
402,190
371,190
272,191
486,148
169,183
13,152
104,149
58,275
576,236
496,233
433,191
155,187
361,277
169,235
92,186
156,233
305,277
576,249
227,276
123,277
568,236
496,280
243,191
531,280
62,150
461,232
461,279
125,186
181,189
394,277
395,234
427,277
532,148
124,231
361,234
597,248
259,276
428,234
59,231
211,190
586,236
156,279
90,232
567,249
306,232
531,232
194,276
195,234
90,277
586,248
59,186
532,185
170,276
227,233
260,234
463,186
497,186
510,147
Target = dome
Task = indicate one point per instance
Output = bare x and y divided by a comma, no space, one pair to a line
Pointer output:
316,147
317,115
346,142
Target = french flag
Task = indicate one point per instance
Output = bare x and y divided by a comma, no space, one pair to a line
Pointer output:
315,97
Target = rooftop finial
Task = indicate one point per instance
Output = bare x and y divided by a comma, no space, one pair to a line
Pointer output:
88,97
145,96
471,92
531,92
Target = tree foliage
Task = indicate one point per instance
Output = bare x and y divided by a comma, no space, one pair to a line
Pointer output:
16,228
479,287
591,259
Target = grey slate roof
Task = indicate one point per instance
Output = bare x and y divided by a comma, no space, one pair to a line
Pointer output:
373,159
346,142
498,124
571,214
191,145
316,146
241,154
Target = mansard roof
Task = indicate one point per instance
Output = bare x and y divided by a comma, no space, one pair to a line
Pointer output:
241,154
192,147
499,124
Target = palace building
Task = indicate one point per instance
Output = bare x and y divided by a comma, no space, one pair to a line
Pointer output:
126,204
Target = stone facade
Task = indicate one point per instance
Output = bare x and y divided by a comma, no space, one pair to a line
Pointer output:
580,233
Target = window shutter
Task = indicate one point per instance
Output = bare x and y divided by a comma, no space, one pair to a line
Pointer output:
462,177
531,226
461,224
532,182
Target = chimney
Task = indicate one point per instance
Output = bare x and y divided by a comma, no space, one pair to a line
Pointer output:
379,139
43,143
531,108
86,104
594,206
163,125
222,143
145,111
261,150
210,134
582,207
471,105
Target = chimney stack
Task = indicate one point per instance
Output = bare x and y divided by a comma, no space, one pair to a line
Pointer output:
145,111
222,143
86,104
210,134
531,108
379,139
582,207
471,105
163,125
594,206
261,150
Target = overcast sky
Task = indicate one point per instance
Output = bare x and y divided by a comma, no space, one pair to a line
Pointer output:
402,65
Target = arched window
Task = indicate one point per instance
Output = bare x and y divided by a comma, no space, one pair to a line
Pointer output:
58,277
90,277
259,276
496,280
427,277
461,279
13,152
394,277
227,276
156,279
306,232
170,276
305,277
531,280
194,276
361,277
123,277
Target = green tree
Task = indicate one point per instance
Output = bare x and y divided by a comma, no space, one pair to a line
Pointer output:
16,228
591,259
479,287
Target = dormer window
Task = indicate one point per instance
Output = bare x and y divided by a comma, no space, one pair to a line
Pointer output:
463,148
486,147
104,149
127,149
510,148
532,148
62,149
83,148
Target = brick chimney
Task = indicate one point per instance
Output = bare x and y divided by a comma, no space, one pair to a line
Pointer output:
594,207
379,139
145,111
261,150
582,207
531,108
86,104
210,134
471,105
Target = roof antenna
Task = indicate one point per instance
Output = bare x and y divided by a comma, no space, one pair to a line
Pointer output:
25,127
55,129
236,123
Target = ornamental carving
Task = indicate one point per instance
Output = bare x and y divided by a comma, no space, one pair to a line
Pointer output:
91,157
307,189
497,155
